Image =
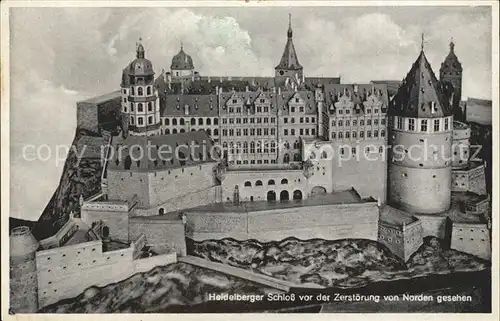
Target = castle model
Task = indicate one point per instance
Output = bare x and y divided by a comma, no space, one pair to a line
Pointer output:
308,157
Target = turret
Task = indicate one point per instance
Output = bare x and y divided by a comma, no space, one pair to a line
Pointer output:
140,102
420,142
23,273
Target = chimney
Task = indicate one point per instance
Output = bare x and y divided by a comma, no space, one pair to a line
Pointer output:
279,90
246,88
186,110
355,88
169,78
209,80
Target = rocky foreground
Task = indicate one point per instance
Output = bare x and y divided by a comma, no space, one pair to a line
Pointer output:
341,263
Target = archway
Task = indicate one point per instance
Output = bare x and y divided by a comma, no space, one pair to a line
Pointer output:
271,196
161,211
318,190
297,195
284,196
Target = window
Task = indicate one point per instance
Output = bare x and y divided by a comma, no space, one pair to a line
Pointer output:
361,122
140,107
368,122
148,90
301,120
361,134
375,122
270,182
354,134
347,134
140,91
354,122
423,125
382,121
368,134
333,135
341,123
301,131
258,183
333,123
368,111
341,135
400,123
347,123
140,121
446,123
181,121
375,133
436,125
132,120
284,181
150,120
353,151
382,133
411,124
150,106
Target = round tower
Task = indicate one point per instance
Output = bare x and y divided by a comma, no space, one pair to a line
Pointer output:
420,140
140,101
461,145
182,65
23,276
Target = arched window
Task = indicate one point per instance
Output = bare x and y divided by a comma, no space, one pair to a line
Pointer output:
167,131
248,184
167,121
296,145
209,121
140,107
324,155
132,91
174,121
132,120
258,183
148,90
284,181
174,131
182,130
296,157
270,182
140,91
193,121
216,121
286,159
161,211
150,106
200,121
128,162
181,122
209,132
216,132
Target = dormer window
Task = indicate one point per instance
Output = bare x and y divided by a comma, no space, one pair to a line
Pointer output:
235,101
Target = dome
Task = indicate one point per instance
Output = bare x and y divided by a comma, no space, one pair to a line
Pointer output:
182,61
140,66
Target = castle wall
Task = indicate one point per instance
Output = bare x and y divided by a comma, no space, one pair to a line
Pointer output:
125,185
203,197
363,166
433,225
295,181
413,238
471,238
164,236
392,237
146,264
166,185
327,221
469,179
65,272
114,216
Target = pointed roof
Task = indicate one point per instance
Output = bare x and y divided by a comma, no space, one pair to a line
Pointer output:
421,95
289,59
451,62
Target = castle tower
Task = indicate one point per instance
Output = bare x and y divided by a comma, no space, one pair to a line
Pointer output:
23,276
140,102
182,65
420,141
451,71
289,66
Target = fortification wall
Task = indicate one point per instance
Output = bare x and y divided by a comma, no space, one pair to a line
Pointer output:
295,180
471,238
23,284
203,197
367,164
328,221
146,264
167,185
65,272
117,221
392,237
124,185
164,236
473,180
433,225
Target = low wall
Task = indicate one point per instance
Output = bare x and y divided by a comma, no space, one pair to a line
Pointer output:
471,238
325,221
433,225
164,236
203,197
146,264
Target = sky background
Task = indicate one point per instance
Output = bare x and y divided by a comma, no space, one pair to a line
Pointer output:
62,55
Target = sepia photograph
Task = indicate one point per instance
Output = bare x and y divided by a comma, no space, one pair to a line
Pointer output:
249,158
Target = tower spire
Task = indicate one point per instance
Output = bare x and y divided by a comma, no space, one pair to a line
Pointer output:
422,43
452,45
290,31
